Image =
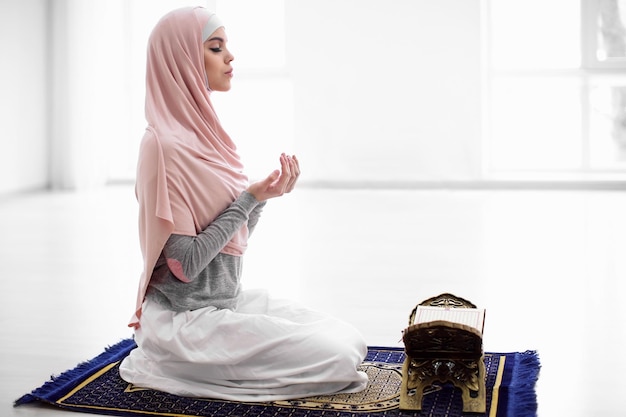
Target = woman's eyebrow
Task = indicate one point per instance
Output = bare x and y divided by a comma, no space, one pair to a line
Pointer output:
216,38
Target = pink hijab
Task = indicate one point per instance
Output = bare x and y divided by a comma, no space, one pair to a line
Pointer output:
188,170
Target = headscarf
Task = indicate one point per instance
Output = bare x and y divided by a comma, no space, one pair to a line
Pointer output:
188,170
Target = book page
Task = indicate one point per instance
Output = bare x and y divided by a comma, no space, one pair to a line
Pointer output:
473,317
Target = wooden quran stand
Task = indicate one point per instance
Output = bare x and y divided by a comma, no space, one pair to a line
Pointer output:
445,345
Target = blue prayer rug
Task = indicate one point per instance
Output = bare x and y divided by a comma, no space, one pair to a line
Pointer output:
95,386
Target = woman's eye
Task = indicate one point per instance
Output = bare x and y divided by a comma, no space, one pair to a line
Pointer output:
216,49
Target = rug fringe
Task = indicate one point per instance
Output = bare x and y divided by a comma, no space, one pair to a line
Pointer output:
60,385
522,398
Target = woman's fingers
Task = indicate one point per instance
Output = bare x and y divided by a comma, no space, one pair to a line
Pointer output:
278,182
285,175
294,167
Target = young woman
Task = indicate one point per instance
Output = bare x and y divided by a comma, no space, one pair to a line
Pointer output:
198,333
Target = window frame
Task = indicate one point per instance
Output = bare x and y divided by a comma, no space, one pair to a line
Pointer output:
589,40
590,72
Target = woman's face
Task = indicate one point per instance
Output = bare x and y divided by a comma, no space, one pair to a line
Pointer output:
217,61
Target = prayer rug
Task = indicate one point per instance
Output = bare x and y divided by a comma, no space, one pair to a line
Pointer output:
96,387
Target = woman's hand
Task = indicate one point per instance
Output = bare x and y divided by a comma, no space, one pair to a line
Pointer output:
278,182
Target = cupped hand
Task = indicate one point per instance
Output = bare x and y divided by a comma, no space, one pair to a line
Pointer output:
278,182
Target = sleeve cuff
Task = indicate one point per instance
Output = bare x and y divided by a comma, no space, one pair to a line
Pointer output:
247,202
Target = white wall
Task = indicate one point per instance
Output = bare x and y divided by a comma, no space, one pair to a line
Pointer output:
386,91
64,95
23,95
373,91
89,90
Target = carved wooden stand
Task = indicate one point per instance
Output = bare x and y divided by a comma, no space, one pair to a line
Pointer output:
443,351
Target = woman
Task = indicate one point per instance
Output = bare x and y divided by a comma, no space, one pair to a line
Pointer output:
198,333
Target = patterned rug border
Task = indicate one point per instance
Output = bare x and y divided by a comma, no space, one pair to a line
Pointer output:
511,391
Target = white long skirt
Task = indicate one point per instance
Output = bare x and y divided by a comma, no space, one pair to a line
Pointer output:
265,350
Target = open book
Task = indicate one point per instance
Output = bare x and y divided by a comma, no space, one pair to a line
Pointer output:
473,317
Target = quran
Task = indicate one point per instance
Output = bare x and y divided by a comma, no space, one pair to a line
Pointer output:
443,344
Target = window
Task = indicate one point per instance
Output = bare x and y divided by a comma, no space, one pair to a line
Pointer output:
557,89
604,33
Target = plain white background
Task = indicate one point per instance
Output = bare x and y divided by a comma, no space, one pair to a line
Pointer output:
384,103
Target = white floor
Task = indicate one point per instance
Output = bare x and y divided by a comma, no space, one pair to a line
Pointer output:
549,267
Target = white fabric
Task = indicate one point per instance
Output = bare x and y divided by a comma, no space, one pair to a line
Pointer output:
211,26
266,350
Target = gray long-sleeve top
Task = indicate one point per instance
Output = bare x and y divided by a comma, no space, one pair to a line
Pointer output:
192,273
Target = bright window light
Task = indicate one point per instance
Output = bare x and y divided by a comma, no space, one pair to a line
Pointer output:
256,32
535,34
